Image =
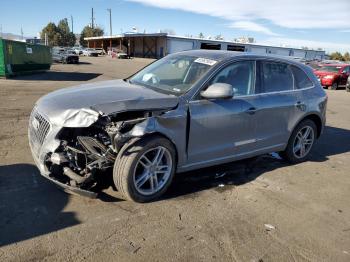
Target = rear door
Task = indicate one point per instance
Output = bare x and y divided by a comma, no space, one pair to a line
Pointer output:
278,104
223,128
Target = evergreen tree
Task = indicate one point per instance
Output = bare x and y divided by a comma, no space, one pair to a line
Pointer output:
90,32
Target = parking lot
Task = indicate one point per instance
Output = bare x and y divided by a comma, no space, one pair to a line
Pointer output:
259,210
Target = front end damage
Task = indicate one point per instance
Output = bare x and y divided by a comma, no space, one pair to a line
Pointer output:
78,158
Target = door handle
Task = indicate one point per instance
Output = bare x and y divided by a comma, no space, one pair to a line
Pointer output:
251,111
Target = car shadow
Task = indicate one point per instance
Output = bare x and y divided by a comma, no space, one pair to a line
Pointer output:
83,63
57,76
29,206
222,177
333,141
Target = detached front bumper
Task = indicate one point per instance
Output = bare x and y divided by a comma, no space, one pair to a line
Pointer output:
72,190
65,187
42,141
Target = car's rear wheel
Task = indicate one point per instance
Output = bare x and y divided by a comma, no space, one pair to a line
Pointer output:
300,142
334,86
144,168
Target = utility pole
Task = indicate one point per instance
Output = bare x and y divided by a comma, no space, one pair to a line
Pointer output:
92,18
110,21
71,19
110,28
21,33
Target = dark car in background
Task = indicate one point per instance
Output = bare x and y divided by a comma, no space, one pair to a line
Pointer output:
333,76
185,111
65,56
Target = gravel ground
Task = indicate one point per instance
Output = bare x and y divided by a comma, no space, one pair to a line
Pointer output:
261,210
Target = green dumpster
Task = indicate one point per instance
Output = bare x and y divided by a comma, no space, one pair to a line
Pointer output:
21,58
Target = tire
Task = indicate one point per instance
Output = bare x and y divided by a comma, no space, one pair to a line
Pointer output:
334,86
296,157
129,169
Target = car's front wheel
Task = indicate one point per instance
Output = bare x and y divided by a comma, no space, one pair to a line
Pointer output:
300,142
144,168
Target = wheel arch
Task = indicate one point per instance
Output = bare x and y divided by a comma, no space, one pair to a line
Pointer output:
316,119
159,134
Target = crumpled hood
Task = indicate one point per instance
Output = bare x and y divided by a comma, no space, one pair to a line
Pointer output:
81,106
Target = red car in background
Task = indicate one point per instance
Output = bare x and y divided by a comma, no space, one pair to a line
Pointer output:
333,75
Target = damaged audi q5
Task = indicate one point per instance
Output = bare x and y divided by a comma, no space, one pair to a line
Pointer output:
185,111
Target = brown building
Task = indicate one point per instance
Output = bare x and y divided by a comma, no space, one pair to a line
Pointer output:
158,45
134,44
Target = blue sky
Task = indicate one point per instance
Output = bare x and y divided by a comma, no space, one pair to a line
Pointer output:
312,23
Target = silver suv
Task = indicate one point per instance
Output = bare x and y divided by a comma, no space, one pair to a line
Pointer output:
186,111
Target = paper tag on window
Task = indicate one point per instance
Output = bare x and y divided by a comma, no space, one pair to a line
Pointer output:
205,61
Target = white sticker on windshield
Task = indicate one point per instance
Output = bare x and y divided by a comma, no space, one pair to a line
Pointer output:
205,61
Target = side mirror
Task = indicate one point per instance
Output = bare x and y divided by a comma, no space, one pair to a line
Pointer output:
218,90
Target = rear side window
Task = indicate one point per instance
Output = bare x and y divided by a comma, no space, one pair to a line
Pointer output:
301,80
276,77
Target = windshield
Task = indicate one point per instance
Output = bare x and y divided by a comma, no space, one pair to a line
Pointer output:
173,74
330,68
314,66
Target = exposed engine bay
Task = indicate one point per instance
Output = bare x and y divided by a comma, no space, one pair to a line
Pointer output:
86,153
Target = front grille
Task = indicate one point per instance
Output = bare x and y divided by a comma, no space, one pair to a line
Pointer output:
39,127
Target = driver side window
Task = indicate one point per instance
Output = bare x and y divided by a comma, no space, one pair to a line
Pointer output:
240,75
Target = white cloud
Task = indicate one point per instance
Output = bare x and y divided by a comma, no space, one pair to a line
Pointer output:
295,14
252,26
291,42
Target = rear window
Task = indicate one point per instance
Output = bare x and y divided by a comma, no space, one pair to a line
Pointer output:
301,80
276,77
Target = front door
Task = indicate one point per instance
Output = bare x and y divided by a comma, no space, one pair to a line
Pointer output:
223,128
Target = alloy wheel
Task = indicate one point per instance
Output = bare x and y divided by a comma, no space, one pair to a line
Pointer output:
303,141
153,170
